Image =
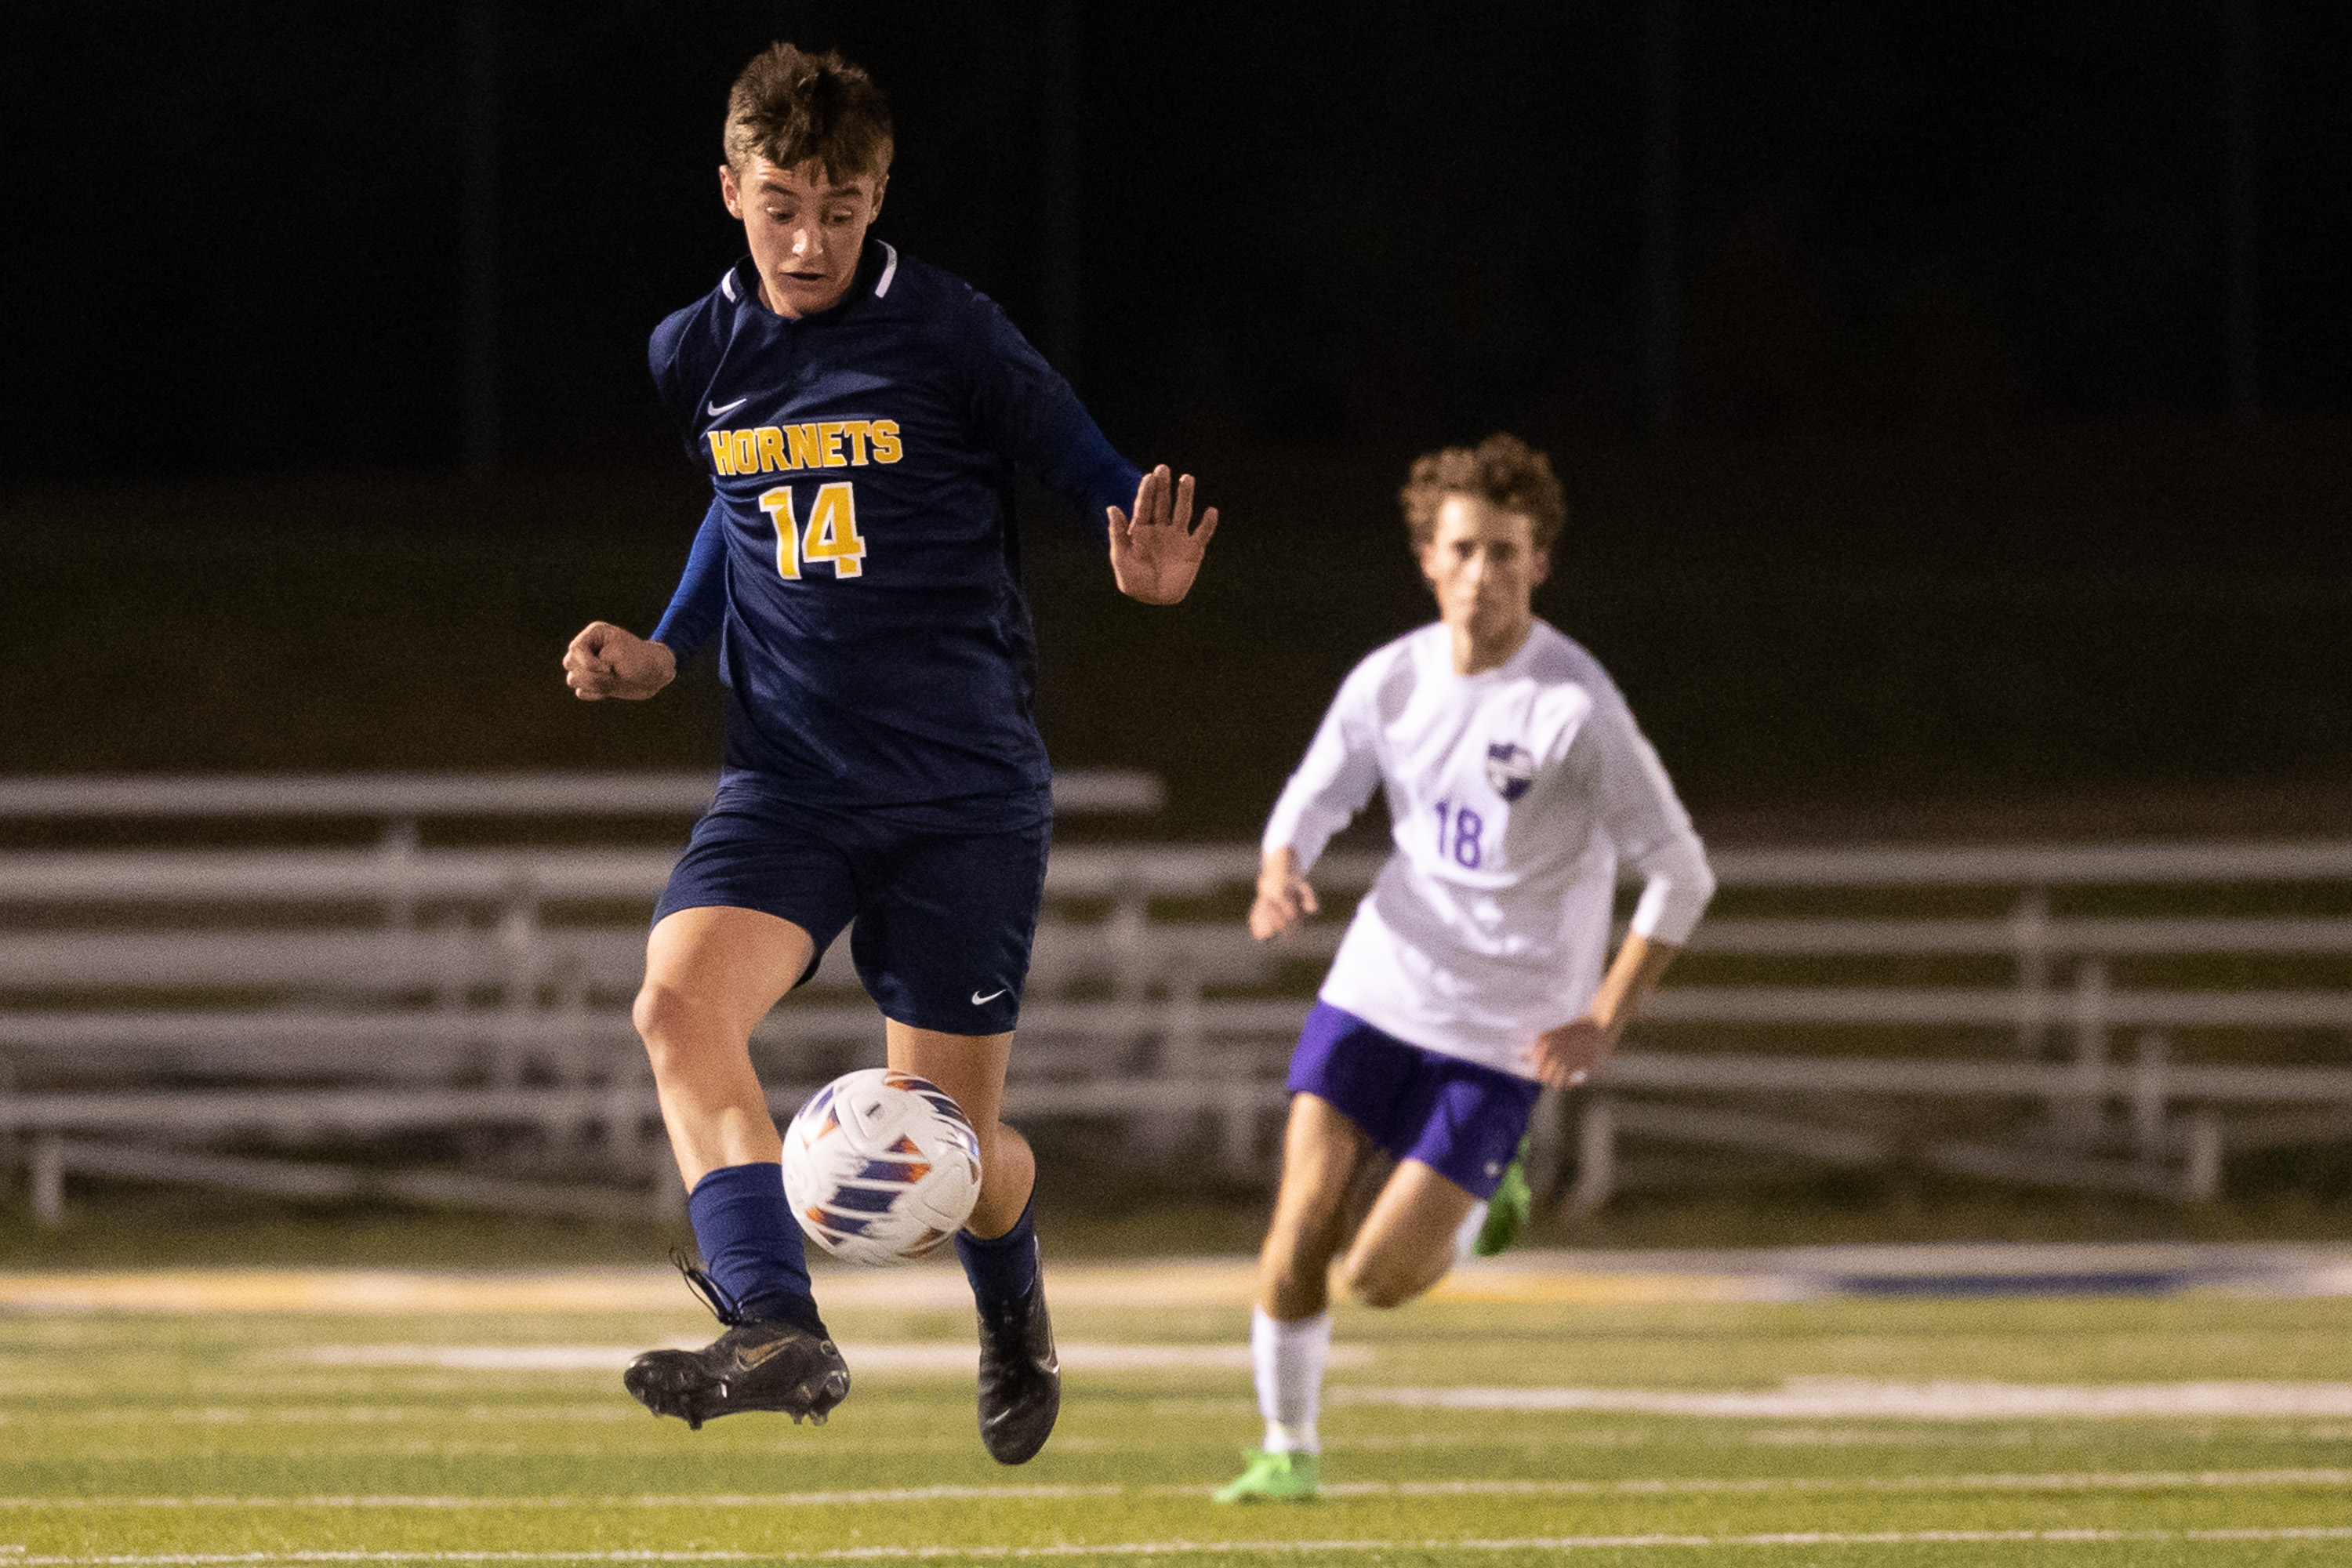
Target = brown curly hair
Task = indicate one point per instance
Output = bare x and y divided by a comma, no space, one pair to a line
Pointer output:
1503,470
789,106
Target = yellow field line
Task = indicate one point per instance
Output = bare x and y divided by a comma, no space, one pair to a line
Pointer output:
1188,1548
1215,1282
894,1496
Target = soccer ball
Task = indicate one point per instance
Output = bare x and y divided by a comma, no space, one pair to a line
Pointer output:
881,1166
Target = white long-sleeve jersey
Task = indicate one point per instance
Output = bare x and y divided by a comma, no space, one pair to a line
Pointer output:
1513,793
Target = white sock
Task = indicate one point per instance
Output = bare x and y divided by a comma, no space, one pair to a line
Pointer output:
1468,1236
1289,1359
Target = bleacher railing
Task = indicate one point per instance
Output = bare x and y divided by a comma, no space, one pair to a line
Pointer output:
456,1017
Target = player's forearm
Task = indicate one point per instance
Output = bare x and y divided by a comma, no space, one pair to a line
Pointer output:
1640,965
1299,827
700,602
1331,785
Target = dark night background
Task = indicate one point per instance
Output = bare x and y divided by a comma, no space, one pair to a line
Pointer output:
1955,399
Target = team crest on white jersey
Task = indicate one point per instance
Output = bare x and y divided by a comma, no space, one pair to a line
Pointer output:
1511,768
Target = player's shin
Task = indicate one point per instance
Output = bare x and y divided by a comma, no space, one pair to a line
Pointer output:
1288,1358
1002,1270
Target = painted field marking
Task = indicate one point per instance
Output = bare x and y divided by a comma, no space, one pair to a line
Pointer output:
604,1413
1194,1282
2144,1480
344,1290
879,1496
1203,1548
1799,1398
1841,1398
1556,1278
960,1358
922,1287
2059,1481
2210,1402
485,1358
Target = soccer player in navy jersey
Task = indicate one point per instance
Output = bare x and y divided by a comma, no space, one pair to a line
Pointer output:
860,415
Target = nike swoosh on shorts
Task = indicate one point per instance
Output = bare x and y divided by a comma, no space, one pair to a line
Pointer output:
979,1001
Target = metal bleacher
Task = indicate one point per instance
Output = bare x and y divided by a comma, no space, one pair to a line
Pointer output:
2228,964
443,1018
164,1012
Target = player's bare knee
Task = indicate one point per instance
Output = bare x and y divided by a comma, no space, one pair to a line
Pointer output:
670,1022
1000,1144
1382,1293
1300,1240
995,1137
1383,1283
1292,1284
1291,1273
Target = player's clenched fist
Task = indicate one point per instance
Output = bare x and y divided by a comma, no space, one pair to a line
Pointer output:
604,661
1284,896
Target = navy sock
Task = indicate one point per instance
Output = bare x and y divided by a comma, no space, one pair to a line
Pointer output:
752,1245
1002,1268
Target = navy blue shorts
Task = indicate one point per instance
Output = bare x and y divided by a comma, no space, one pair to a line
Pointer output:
944,920
1463,1121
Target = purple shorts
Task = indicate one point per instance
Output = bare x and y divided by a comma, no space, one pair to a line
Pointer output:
1461,1120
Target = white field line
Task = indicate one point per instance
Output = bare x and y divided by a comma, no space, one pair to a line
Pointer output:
2056,1482
880,1496
959,1360
604,1414
1800,1398
1840,1398
616,1411
1205,1547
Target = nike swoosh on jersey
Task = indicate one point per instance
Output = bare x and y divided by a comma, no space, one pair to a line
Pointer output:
979,1001
719,410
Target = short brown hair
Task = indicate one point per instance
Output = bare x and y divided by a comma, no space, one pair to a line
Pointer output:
790,106
1503,470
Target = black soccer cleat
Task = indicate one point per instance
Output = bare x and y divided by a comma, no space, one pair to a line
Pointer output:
770,1365
1019,1378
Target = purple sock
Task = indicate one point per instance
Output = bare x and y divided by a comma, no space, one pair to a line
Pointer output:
1002,1268
751,1244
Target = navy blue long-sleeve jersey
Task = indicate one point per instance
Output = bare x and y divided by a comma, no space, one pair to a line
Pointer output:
858,559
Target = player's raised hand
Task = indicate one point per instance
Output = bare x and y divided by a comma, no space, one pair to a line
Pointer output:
1566,1056
605,661
1284,896
1156,553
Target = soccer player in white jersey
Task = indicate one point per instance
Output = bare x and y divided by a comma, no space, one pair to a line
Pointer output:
1517,782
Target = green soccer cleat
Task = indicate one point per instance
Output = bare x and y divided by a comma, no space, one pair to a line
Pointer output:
1506,1211
1275,1477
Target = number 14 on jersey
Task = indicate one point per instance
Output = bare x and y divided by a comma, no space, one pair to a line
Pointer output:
831,533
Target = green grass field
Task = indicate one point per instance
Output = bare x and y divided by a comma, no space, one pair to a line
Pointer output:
327,1436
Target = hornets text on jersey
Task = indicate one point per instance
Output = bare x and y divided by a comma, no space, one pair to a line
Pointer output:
858,559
